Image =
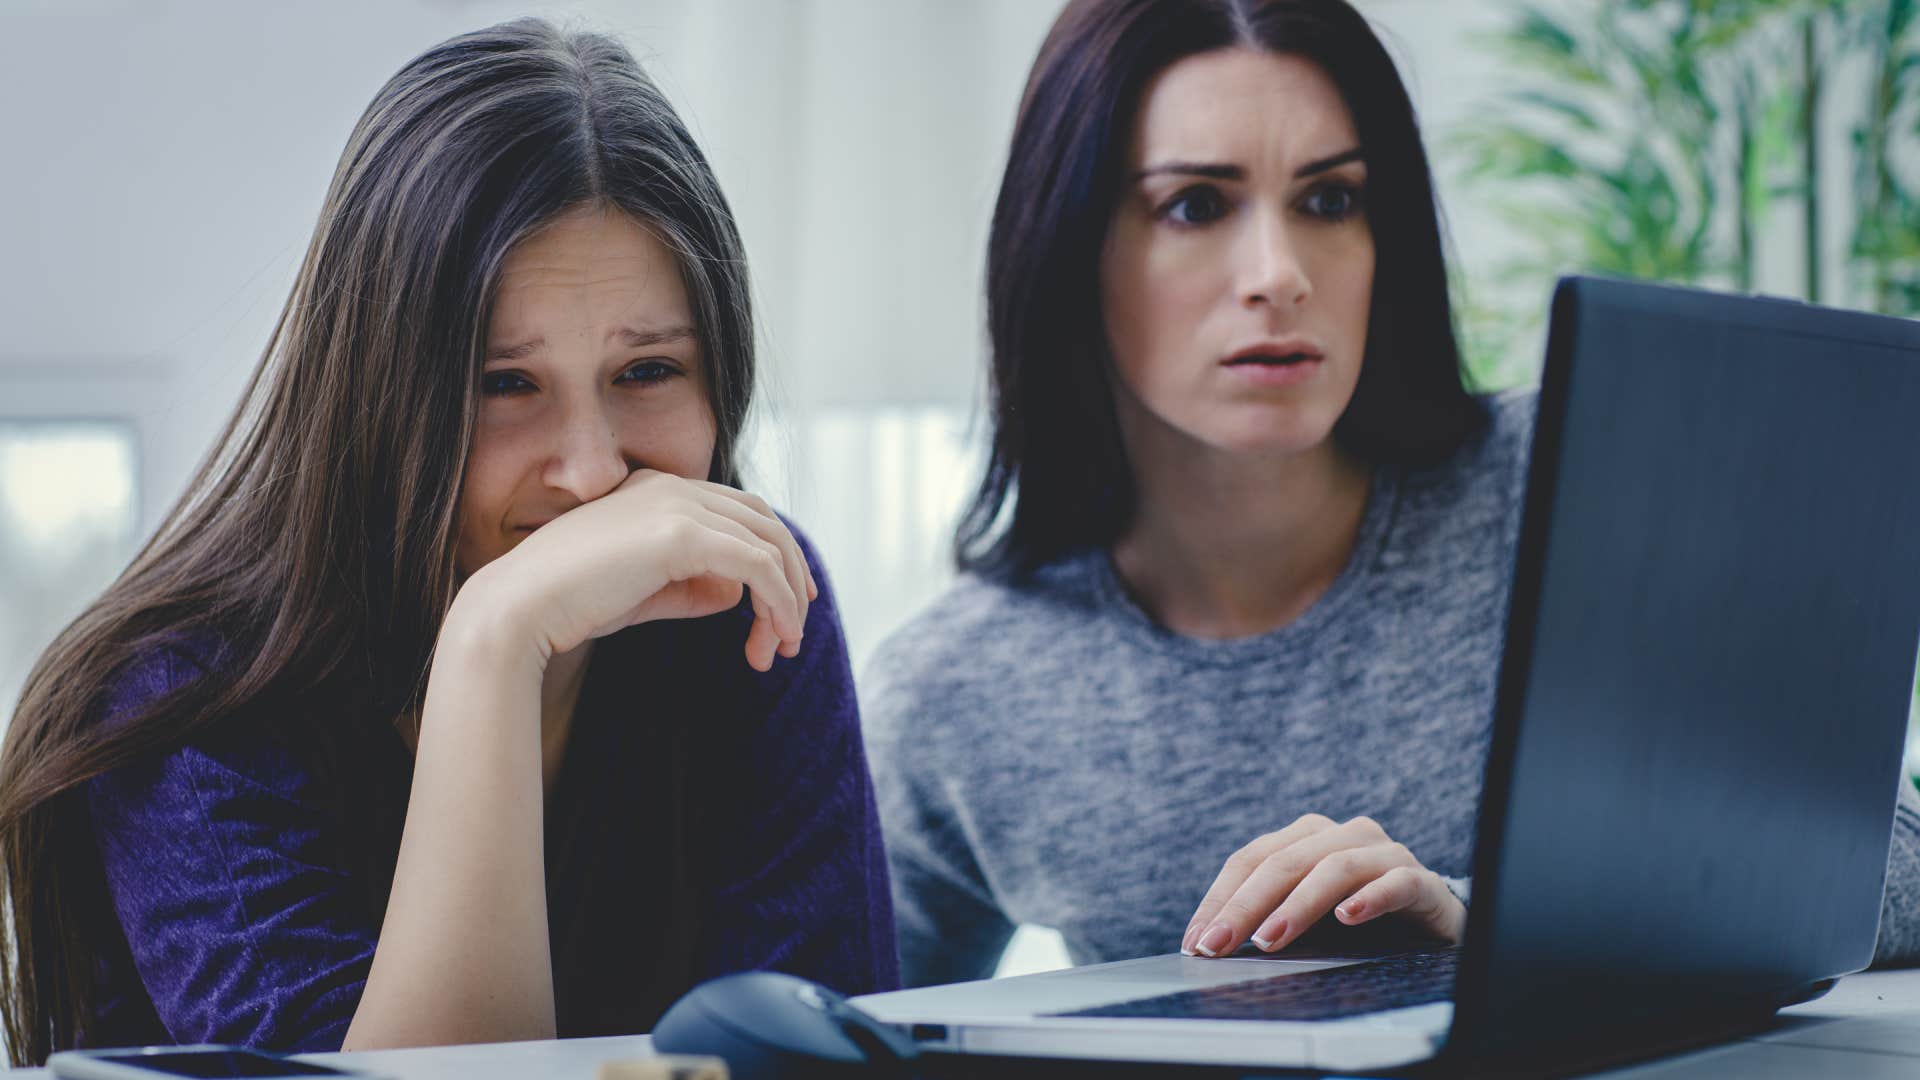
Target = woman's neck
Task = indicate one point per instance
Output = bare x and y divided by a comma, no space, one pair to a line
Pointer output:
1226,545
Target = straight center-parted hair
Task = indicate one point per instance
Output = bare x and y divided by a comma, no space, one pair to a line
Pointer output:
310,563
1058,479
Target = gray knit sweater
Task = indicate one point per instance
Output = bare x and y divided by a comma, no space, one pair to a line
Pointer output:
1049,754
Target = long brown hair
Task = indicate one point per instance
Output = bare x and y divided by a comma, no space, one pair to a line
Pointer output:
1058,478
314,546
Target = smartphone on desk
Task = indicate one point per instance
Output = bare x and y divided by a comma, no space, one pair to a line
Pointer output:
197,1062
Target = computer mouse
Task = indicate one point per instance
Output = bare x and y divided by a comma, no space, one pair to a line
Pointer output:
769,1026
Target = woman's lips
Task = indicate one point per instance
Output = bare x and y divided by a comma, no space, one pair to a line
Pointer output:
1274,370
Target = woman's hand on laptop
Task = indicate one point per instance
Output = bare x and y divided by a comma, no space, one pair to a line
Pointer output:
1273,889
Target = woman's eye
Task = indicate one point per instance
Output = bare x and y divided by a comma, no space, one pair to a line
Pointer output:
1196,205
1332,202
503,383
648,372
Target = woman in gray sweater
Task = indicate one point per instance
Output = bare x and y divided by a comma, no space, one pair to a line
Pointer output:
1234,587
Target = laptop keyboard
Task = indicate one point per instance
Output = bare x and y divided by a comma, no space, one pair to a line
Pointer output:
1394,982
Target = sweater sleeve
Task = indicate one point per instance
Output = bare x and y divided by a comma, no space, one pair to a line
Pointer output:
1899,942
797,862
951,928
223,876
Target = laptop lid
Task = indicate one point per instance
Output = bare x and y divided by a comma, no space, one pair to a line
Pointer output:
1709,665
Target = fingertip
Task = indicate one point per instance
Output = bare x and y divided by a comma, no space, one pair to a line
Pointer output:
1271,935
1217,941
762,642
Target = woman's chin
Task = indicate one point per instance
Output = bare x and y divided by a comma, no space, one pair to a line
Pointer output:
1266,439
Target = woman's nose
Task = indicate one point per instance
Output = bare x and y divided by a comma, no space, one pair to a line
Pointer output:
588,462
1270,270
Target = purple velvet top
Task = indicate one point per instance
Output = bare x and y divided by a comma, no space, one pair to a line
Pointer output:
706,819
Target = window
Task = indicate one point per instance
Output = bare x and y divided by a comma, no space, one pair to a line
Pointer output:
78,491
67,526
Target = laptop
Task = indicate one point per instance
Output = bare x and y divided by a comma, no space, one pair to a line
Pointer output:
1697,737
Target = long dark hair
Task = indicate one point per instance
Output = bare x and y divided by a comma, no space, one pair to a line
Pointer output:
1058,477
314,546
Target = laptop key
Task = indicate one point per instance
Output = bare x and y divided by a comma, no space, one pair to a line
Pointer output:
1394,982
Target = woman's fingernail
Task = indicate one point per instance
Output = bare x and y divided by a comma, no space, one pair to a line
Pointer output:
1272,932
1214,941
1351,909
1186,939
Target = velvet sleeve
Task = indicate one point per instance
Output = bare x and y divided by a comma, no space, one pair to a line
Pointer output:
223,875
798,872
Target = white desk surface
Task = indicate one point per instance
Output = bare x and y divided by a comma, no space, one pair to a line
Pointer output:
1868,1027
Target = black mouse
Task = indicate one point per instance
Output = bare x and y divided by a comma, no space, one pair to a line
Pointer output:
768,1026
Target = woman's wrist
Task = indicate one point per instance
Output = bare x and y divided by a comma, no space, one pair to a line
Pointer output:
486,624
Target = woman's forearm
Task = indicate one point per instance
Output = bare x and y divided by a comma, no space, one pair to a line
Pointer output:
463,953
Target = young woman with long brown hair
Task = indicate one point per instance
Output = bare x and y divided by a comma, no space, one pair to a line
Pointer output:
424,716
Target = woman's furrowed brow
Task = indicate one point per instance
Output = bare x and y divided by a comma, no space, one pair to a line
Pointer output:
519,351
646,337
629,336
1209,170
1223,171
1331,162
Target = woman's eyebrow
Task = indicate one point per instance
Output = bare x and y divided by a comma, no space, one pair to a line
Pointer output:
1221,171
1192,168
651,336
1325,163
629,336
516,352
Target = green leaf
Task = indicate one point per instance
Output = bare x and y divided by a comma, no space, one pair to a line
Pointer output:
1562,107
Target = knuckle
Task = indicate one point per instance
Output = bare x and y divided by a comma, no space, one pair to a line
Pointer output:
1300,867
1238,910
1363,823
1285,864
1316,821
1344,862
679,531
1314,879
